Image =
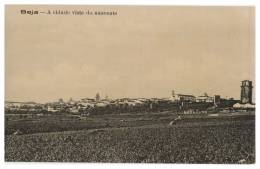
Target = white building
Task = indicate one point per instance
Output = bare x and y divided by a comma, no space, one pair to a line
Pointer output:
183,97
205,99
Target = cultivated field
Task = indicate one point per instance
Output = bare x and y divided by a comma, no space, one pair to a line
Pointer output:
145,138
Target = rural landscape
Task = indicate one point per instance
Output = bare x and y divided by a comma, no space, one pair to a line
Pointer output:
184,130
130,84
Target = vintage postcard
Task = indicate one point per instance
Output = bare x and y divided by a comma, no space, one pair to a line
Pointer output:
130,84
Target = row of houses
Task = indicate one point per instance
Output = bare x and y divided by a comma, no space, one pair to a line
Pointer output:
86,105
80,105
191,98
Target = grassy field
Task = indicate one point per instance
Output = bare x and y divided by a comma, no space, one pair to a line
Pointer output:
66,122
138,138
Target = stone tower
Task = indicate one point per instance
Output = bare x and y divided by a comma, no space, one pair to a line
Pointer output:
246,91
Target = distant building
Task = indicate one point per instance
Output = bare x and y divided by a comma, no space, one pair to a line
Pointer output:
185,97
87,100
204,98
182,97
244,106
51,109
97,97
173,93
246,92
217,100
70,100
60,100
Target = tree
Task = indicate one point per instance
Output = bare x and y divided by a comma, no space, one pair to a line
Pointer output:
61,100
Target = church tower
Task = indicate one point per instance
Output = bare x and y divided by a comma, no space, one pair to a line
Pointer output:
246,91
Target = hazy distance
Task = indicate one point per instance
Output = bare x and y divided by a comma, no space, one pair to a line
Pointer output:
141,52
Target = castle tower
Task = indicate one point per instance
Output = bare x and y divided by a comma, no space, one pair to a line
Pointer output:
173,93
246,91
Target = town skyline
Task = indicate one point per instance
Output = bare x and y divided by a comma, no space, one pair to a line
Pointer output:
105,97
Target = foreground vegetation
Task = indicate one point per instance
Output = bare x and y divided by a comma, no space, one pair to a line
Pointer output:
222,140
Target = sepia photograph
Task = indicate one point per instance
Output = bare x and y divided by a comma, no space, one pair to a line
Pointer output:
130,84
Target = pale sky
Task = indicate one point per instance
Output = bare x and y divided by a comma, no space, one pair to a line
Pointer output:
141,52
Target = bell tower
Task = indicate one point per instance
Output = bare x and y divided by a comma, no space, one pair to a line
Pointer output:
246,91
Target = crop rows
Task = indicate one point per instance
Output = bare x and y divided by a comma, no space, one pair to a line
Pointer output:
229,143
